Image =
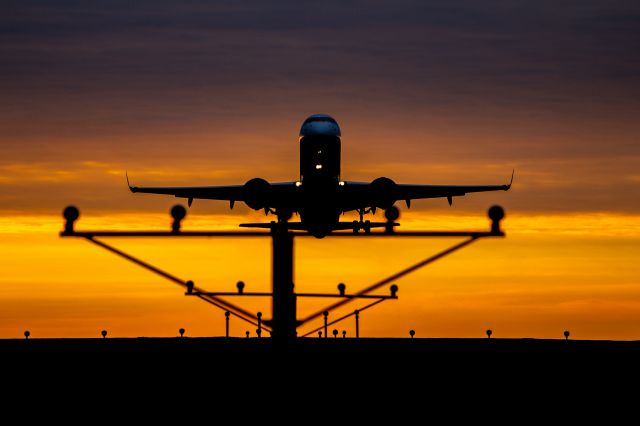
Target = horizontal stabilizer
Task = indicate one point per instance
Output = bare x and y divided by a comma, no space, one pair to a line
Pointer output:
340,226
351,225
297,226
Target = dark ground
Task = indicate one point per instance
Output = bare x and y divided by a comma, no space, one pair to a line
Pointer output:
385,374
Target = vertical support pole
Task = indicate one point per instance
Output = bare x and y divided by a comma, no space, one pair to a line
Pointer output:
226,315
284,320
357,315
326,319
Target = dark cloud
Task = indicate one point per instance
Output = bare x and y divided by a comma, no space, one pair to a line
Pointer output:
157,83
464,47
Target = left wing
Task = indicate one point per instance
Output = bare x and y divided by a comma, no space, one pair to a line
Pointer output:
383,192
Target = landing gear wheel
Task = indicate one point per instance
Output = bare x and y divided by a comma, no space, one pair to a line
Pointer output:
367,227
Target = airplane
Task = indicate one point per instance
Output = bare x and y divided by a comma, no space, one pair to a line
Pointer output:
320,196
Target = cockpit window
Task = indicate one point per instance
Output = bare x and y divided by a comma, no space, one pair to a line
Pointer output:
320,119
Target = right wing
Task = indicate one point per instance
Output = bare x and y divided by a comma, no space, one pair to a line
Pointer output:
256,193
229,193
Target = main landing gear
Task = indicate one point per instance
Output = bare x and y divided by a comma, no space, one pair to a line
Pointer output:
363,224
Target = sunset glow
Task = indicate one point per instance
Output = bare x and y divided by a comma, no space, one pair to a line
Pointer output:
202,94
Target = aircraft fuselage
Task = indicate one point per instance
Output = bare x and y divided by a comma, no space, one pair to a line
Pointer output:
320,147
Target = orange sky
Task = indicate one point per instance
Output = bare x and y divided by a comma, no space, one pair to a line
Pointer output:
202,94
552,272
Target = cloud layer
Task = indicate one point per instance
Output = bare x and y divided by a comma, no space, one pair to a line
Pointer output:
426,91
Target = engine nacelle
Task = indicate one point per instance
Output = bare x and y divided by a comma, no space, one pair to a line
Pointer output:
256,193
383,192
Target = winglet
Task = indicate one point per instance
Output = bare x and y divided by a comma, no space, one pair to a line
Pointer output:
511,181
131,188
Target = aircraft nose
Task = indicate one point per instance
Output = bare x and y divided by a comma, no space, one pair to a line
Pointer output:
320,125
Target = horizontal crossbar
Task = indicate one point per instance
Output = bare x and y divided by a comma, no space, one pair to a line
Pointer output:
91,234
344,296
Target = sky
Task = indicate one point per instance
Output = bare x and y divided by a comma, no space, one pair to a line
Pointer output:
205,93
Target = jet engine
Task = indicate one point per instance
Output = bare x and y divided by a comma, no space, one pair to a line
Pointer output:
383,192
256,193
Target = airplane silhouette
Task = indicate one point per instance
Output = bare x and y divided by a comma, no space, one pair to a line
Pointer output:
320,196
